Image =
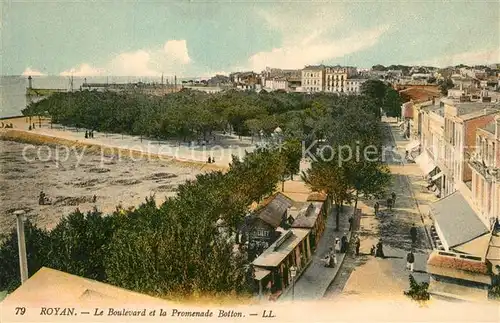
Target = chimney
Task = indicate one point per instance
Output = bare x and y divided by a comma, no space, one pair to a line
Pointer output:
23,262
30,82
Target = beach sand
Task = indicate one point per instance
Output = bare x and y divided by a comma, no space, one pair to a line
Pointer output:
70,183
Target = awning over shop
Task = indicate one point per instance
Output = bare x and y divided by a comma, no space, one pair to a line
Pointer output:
425,163
412,145
456,220
261,273
437,176
477,247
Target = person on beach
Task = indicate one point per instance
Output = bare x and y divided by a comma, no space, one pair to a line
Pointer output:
410,260
376,208
413,234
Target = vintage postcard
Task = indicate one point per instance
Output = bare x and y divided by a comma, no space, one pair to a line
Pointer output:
249,161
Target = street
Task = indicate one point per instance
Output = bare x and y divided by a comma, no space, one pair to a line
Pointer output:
366,277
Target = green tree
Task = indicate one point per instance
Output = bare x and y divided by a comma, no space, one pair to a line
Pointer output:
37,255
392,103
445,85
327,176
292,153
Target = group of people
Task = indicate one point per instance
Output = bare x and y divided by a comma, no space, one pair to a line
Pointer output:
89,134
378,250
43,199
341,246
211,160
7,125
32,126
391,201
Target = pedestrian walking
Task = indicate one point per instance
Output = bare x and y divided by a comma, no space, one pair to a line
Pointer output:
327,257
358,245
380,250
351,219
393,196
413,234
373,251
410,260
344,244
86,134
376,208
337,245
389,204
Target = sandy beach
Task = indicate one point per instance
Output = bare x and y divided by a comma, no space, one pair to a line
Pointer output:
73,181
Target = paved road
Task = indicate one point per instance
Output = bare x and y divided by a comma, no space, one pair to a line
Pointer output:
368,275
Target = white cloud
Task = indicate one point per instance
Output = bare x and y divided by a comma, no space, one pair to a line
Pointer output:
29,71
310,36
172,58
468,58
83,70
315,49
133,64
176,50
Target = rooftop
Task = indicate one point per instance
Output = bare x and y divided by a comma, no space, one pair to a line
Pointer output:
272,209
441,264
472,110
457,221
308,215
49,284
314,67
272,258
420,94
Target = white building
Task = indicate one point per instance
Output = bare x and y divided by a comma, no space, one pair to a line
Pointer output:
313,79
353,86
277,83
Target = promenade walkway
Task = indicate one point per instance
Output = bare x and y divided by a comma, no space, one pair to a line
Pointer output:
369,278
314,281
222,149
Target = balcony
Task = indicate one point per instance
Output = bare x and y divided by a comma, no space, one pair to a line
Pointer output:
489,173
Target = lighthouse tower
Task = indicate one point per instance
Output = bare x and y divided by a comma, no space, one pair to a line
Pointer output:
30,82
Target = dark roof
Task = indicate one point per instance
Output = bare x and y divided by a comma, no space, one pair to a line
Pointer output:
457,221
272,209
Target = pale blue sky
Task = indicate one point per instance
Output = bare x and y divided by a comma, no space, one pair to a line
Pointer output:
193,38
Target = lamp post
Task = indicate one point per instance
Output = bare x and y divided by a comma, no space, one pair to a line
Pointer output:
293,273
23,263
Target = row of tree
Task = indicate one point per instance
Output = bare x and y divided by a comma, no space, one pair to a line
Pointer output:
189,115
